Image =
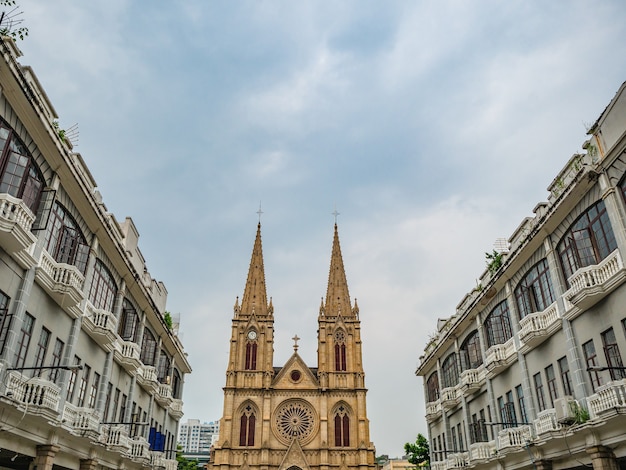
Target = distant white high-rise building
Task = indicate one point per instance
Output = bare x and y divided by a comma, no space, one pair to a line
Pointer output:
196,437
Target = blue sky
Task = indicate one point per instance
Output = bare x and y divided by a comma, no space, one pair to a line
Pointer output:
433,127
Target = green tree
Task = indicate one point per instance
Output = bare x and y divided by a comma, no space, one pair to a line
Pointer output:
418,453
184,463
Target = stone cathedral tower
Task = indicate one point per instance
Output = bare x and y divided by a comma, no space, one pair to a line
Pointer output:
294,417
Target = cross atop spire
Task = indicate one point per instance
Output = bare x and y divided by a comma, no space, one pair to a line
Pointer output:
260,212
255,296
335,213
295,342
337,295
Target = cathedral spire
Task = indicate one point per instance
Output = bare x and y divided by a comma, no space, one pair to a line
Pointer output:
255,296
337,295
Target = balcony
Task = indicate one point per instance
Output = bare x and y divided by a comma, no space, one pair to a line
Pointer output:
500,356
115,437
101,326
164,395
16,221
513,438
458,460
158,461
537,327
81,421
37,395
433,410
546,422
610,398
126,353
482,451
176,408
439,465
147,378
472,380
139,449
593,283
450,397
63,282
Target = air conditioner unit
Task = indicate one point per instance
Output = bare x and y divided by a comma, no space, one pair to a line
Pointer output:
565,409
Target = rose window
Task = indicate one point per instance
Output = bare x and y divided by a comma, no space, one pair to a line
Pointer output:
294,419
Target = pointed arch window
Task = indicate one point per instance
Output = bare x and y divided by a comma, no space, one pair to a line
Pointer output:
19,175
340,351
64,240
342,427
251,349
103,289
534,293
129,320
163,371
176,384
471,355
498,325
148,348
246,427
449,371
432,387
588,241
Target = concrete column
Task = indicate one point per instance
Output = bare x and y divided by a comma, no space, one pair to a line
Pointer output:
613,206
45,457
104,384
602,458
88,464
529,403
68,358
18,314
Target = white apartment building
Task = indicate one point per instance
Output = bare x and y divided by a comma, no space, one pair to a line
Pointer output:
195,437
529,371
91,368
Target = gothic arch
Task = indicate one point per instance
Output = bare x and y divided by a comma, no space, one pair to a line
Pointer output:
341,418
339,346
247,414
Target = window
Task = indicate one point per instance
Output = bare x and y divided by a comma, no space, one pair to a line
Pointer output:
551,381
471,356
565,376
163,371
507,410
127,327
57,353
591,359
176,391
588,241
103,289
5,318
251,347
612,355
340,351
93,394
23,340
432,387
42,348
83,385
246,427
454,443
478,428
449,371
498,325
122,416
107,402
19,175
148,348
534,293
541,399
116,401
64,240
342,428
459,430
519,391
72,383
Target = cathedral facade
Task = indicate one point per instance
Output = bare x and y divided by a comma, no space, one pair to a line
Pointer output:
294,416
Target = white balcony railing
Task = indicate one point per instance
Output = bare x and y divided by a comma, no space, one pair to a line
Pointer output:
16,220
176,408
592,283
115,436
37,393
158,460
147,377
63,282
514,437
101,325
433,410
450,396
536,327
440,465
139,448
546,422
482,450
127,354
473,379
164,394
611,396
500,356
458,460
80,420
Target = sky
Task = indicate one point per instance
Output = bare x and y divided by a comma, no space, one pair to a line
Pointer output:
432,127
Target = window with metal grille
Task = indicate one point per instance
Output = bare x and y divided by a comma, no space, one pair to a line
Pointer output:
23,340
471,355
64,240
612,355
534,293
449,371
432,387
498,325
588,241
103,289
539,392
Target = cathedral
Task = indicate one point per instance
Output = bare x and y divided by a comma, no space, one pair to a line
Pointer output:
294,417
